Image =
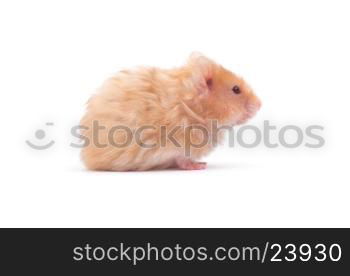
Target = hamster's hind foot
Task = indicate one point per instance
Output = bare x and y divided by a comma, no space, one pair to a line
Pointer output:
188,164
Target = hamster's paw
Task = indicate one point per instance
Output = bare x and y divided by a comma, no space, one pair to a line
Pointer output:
188,164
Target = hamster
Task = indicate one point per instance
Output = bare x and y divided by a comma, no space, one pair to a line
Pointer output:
130,123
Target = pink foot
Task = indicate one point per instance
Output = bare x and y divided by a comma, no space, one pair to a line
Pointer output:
188,164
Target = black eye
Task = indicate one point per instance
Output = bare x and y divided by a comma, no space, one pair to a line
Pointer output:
236,89
209,82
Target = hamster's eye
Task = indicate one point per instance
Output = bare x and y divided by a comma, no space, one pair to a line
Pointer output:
236,89
209,82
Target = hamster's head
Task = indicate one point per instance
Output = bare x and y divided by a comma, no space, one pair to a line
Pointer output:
223,95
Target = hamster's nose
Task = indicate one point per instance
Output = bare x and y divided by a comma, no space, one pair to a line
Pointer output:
253,105
258,104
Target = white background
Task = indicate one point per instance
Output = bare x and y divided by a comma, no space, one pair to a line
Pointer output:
295,54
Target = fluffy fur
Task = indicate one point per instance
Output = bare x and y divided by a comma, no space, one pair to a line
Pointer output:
194,94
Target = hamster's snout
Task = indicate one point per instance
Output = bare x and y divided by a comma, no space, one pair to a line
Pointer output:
253,105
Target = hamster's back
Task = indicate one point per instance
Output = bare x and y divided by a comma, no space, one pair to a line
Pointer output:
127,101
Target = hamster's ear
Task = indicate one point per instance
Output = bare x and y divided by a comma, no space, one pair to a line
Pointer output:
202,72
